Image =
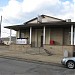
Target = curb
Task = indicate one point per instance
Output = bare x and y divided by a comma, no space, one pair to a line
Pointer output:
30,60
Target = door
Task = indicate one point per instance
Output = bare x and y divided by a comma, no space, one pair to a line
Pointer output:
41,41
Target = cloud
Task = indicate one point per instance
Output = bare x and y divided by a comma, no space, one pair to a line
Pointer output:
16,12
31,5
67,10
12,10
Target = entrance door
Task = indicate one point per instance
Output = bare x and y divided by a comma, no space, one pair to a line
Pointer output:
41,41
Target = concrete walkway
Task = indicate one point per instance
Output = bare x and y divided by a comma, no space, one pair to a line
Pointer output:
24,56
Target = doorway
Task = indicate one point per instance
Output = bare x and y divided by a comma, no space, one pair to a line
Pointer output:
41,41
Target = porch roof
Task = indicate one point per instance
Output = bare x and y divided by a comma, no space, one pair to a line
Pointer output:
36,25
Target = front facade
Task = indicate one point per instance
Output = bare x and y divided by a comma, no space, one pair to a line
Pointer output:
60,36
47,32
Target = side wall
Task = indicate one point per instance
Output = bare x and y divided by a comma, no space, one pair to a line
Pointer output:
19,47
61,36
48,35
57,36
67,36
25,34
59,50
36,37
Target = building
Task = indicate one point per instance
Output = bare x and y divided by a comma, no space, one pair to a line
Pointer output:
6,40
51,33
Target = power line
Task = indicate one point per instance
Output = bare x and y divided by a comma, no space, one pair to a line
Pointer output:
8,33
9,23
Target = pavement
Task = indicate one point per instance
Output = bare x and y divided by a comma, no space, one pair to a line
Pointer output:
19,55
13,67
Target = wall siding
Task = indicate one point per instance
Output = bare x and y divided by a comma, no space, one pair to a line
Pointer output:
57,35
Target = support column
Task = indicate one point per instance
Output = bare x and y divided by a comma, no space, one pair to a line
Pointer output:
10,37
74,36
71,34
19,33
44,35
30,34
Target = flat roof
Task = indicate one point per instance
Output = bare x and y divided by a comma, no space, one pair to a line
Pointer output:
36,25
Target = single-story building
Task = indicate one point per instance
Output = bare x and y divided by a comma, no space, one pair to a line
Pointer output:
6,40
48,32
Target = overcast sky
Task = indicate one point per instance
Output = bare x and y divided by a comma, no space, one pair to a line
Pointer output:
20,11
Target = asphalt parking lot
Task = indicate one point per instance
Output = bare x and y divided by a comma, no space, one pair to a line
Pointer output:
15,67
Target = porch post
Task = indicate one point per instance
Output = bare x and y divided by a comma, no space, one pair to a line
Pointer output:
19,33
44,35
10,37
74,36
71,34
30,34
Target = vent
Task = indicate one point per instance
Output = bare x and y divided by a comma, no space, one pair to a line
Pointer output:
39,19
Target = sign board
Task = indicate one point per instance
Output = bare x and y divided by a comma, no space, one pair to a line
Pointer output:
21,41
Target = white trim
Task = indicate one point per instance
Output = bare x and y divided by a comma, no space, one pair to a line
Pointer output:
49,35
10,37
71,34
74,36
44,35
30,34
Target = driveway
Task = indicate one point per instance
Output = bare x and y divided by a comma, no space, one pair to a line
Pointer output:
14,67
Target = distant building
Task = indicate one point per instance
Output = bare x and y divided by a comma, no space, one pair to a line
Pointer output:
7,42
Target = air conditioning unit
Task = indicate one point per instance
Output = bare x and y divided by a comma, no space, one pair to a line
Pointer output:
68,20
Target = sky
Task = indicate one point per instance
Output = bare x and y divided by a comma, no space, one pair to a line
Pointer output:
16,12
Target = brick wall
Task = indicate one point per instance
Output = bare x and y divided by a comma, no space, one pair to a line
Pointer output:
4,47
19,47
59,50
56,34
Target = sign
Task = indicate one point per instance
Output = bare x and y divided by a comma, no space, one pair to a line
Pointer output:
21,41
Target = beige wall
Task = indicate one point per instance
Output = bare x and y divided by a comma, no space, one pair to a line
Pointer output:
26,34
67,36
36,33
40,31
17,34
19,47
33,38
59,50
46,19
60,36
36,37
57,35
49,19
47,35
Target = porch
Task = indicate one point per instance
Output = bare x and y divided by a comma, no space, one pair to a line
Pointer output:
38,37
61,34
47,50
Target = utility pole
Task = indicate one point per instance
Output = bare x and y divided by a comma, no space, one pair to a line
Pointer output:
74,9
0,26
0,29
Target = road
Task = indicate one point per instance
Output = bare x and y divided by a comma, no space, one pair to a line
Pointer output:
14,67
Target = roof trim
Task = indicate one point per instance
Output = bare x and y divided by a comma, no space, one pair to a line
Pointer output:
54,18
43,16
56,24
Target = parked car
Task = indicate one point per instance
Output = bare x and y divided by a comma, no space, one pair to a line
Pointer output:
69,62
